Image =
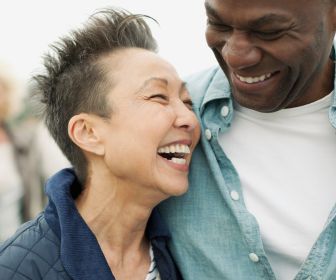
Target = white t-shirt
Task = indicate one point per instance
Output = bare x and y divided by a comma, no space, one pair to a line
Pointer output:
153,272
286,161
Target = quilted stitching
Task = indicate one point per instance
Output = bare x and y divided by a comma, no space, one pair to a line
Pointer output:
32,253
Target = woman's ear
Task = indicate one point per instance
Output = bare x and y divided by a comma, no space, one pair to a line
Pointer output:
82,131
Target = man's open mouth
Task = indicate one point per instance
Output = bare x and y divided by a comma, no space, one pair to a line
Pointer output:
256,79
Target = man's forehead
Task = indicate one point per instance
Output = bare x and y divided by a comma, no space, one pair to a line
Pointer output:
211,4
270,10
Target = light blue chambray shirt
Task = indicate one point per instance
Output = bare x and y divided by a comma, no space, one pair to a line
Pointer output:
213,234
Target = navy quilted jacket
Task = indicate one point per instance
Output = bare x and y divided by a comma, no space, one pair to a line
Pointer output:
59,245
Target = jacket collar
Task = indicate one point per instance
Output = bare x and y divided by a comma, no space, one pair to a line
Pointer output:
80,251
155,227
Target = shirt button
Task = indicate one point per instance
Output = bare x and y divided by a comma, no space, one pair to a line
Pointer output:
253,257
234,195
225,111
208,134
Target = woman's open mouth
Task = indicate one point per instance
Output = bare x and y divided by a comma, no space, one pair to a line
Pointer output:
175,153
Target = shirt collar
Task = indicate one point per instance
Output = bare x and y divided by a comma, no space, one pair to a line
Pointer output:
332,111
219,88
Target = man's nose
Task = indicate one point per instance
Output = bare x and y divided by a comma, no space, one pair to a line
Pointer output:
239,52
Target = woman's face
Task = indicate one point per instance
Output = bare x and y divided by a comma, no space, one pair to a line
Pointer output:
152,130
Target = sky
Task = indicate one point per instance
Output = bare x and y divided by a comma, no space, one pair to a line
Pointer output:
27,28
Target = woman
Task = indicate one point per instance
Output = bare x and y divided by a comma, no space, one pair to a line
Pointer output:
124,120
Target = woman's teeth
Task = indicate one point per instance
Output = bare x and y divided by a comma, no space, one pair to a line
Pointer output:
175,153
176,148
179,160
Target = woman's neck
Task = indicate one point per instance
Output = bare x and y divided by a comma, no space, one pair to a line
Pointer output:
117,215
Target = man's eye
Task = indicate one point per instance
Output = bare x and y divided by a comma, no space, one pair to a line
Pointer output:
269,35
218,26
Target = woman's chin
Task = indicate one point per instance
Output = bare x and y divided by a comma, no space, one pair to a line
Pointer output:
177,191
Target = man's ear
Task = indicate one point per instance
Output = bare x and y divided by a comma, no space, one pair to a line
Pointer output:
82,131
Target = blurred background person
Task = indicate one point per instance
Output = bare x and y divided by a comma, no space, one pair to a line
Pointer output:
11,184
38,157
28,155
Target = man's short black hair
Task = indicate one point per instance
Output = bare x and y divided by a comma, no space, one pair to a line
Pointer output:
74,80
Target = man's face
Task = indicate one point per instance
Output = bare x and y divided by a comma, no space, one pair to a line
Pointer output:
274,53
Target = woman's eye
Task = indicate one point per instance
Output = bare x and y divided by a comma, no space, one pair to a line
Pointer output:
189,104
162,96
159,96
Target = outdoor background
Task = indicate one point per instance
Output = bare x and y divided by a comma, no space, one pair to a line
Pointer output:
28,27
28,154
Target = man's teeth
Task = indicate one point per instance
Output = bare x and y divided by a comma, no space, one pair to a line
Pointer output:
252,80
177,148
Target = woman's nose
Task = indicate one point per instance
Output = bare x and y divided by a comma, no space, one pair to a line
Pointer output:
239,52
185,117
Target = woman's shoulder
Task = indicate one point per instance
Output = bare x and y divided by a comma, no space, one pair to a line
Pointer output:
33,252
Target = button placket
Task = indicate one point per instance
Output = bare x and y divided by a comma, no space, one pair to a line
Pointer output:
208,134
254,257
234,195
225,111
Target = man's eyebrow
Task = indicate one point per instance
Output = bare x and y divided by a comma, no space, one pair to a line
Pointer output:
256,23
268,19
211,11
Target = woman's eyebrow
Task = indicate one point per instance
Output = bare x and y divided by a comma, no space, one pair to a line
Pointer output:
161,80
183,87
150,80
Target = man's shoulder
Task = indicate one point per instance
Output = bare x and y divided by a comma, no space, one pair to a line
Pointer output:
199,82
31,253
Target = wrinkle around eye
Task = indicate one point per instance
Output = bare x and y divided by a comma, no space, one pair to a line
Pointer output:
220,28
268,36
189,104
159,98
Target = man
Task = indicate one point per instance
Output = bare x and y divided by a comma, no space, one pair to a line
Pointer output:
262,183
